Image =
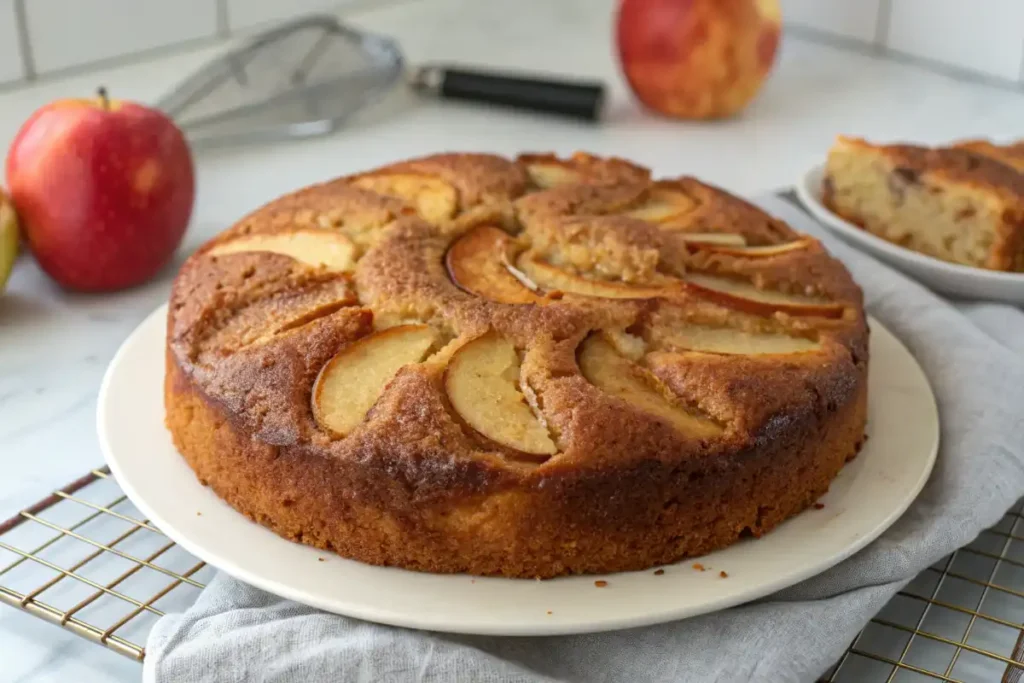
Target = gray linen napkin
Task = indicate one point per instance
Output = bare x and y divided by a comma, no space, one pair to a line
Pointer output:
973,354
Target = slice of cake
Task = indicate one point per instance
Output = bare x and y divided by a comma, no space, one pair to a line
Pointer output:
963,204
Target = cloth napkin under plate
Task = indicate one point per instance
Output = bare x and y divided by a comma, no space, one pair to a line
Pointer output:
973,355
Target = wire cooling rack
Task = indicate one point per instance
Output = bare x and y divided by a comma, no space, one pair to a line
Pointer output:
85,559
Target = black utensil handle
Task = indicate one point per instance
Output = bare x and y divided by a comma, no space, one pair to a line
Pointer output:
576,99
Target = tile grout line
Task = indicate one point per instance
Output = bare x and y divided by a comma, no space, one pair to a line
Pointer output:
825,37
1022,62
958,73
118,60
28,65
223,19
882,21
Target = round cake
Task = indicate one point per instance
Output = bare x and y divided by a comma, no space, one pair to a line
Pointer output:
528,368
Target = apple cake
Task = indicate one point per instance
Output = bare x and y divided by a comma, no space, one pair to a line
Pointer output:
528,368
963,203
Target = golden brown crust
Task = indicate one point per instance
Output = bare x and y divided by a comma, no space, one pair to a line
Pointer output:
513,523
413,485
953,164
1011,154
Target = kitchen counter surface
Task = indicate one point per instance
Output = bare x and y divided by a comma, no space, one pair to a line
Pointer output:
54,346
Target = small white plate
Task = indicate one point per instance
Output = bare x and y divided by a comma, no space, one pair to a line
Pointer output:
868,496
947,278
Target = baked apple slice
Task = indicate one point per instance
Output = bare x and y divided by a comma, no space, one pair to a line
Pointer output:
662,205
351,382
435,200
478,262
761,251
317,248
744,296
482,383
700,239
616,375
552,278
732,341
547,170
548,174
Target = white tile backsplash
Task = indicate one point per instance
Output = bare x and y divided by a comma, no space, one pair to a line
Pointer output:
986,36
65,33
857,19
12,67
244,14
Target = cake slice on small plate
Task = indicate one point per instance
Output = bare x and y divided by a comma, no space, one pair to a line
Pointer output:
962,204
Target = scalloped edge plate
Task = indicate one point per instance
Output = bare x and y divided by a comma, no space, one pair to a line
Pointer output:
866,498
947,278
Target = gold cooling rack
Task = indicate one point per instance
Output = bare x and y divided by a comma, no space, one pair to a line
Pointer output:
85,559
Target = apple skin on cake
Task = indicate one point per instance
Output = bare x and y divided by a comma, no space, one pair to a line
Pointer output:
520,367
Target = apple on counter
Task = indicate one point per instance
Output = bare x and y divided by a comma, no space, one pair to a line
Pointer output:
104,190
697,59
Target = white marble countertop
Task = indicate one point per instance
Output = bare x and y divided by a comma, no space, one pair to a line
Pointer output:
54,346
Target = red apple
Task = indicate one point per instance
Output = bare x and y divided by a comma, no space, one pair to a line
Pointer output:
104,189
697,59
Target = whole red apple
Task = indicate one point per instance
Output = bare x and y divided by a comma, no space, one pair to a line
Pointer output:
104,189
697,59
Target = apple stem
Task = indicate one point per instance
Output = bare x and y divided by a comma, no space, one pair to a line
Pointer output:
101,92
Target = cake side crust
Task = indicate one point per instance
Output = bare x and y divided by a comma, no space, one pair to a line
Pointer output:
526,529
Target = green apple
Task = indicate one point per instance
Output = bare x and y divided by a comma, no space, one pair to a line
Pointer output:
8,238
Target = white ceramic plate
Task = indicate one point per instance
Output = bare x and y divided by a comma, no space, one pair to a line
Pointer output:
947,278
868,496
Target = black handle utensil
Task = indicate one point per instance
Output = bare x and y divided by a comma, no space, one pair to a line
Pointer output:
574,99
